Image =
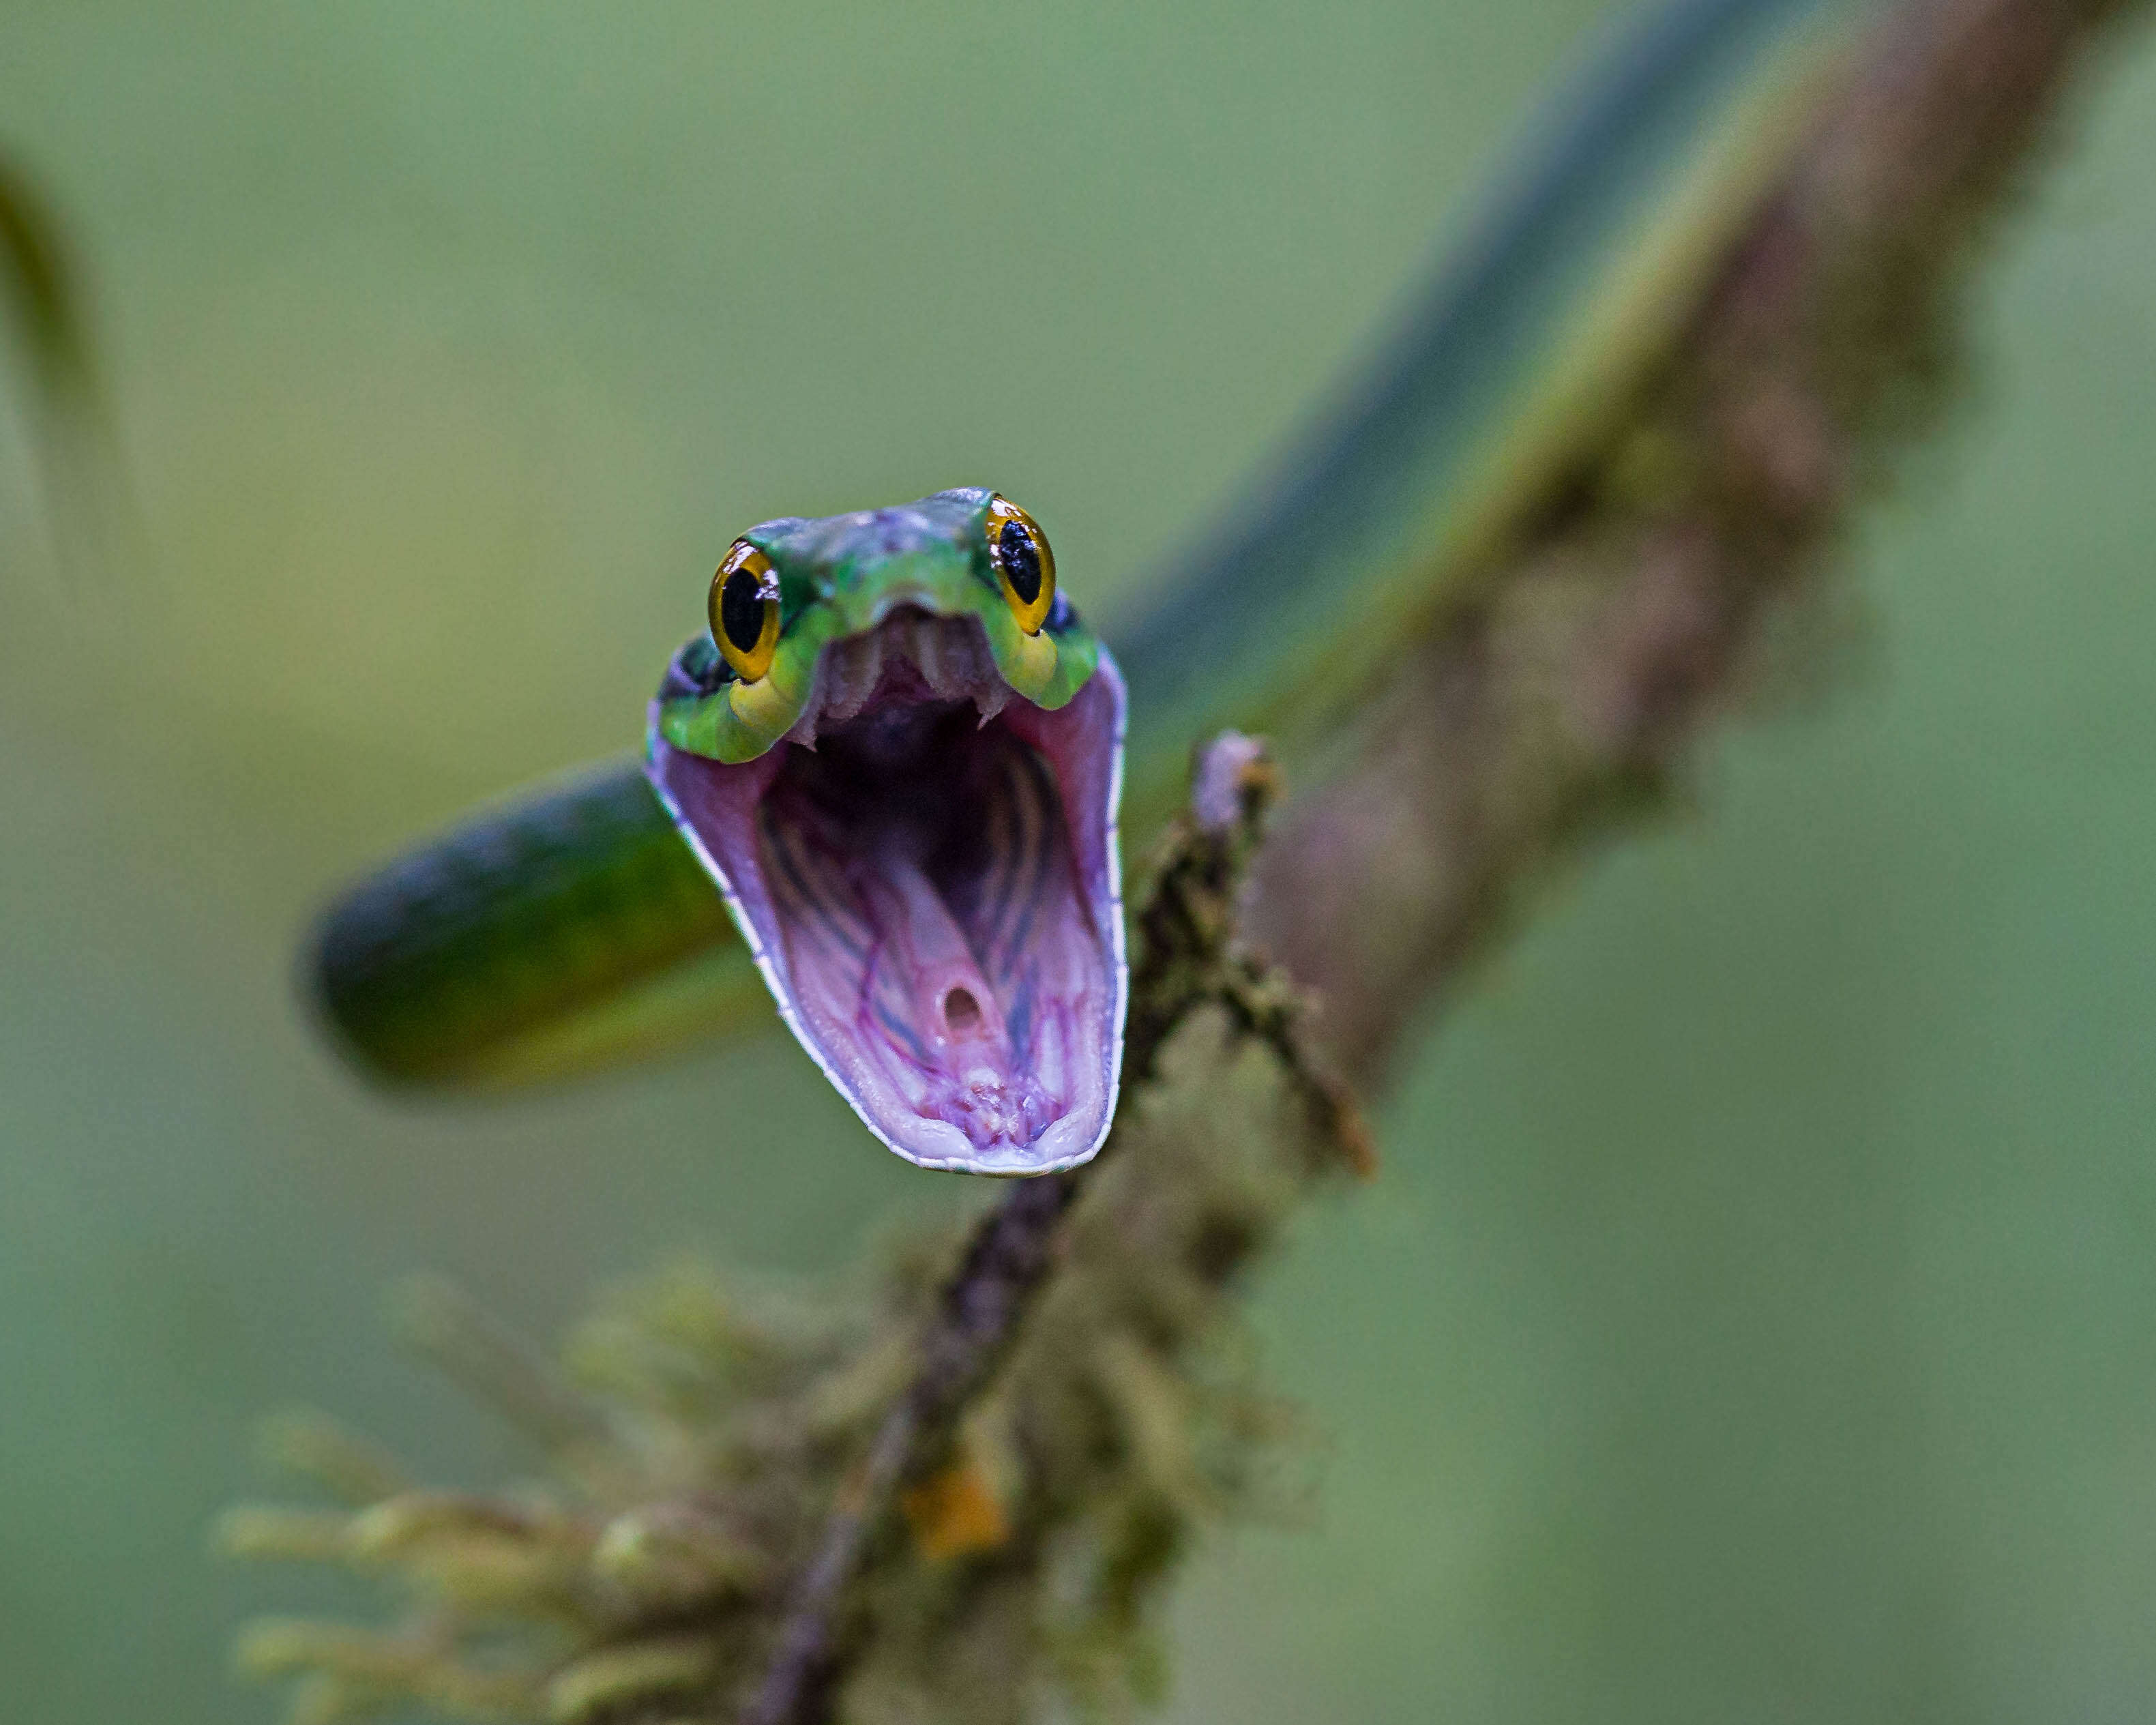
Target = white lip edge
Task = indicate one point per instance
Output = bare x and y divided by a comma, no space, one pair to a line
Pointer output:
1117,940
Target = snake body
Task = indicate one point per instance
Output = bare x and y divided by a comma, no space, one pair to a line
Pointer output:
881,788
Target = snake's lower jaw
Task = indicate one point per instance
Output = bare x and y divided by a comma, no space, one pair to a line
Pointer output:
933,898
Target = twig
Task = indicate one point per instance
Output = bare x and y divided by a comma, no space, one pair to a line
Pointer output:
1186,927
976,1319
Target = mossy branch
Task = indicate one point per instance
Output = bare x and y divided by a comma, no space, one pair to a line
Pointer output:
951,1499
1040,1405
1187,924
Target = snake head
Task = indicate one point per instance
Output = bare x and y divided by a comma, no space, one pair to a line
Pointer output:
898,752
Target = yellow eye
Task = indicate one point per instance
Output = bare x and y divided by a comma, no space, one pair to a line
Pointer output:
1024,564
744,608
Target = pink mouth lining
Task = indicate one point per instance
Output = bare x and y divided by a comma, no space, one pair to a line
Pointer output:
933,896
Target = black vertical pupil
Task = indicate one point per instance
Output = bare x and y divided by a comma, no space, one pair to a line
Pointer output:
741,610
1020,560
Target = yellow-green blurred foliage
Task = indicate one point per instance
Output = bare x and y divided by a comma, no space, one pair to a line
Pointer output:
1757,1315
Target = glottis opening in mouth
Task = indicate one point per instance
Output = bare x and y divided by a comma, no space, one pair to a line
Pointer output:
925,869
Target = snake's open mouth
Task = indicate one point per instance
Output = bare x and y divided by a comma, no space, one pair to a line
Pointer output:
926,870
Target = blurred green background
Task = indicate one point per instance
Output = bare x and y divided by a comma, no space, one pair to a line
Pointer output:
1757,1315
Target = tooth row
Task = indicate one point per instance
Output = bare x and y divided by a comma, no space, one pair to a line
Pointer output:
951,654
847,675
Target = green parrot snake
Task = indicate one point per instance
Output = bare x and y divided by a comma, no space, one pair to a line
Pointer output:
881,789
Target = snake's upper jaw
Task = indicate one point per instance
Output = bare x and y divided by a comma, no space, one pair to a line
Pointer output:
927,872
